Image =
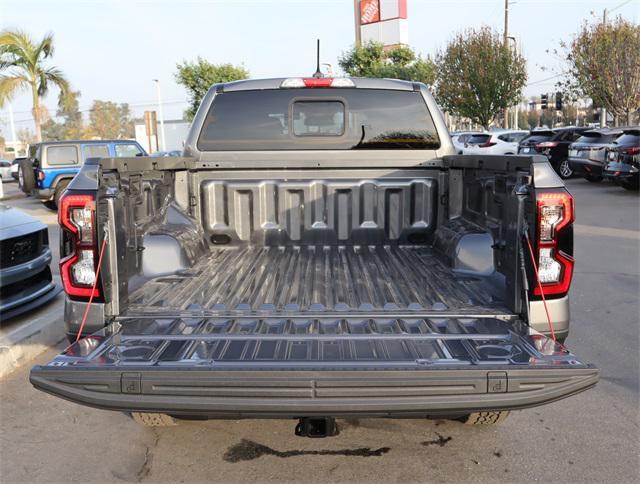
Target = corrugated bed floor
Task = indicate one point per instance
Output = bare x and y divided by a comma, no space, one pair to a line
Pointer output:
317,279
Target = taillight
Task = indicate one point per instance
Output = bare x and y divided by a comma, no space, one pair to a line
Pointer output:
632,151
76,215
317,82
546,144
40,175
555,266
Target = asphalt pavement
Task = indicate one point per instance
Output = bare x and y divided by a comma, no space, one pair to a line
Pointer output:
591,437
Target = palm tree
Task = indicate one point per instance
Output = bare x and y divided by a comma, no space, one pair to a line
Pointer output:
23,66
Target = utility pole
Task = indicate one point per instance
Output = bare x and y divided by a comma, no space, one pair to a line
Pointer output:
505,114
162,136
603,110
14,141
356,16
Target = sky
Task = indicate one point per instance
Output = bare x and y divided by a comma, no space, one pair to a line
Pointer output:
113,49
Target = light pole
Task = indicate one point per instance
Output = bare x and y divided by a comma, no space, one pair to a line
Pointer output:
356,15
505,113
515,114
162,137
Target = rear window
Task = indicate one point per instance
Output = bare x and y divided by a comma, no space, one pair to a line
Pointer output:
568,135
596,138
632,139
537,137
321,119
478,139
512,137
62,155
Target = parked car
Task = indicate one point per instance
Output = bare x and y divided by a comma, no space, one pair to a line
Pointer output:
51,165
344,261
460,138
5,170
623,159
587,156
498,143
15,165
554,144
25,276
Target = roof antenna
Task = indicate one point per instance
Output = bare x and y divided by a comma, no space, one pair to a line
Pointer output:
318,72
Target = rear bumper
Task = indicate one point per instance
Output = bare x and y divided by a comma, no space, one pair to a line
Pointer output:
44,194
74,312
284,394
586,167
559,313
621,171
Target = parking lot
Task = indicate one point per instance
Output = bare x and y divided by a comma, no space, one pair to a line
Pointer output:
592,437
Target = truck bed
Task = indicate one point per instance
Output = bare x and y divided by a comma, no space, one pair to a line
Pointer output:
319,280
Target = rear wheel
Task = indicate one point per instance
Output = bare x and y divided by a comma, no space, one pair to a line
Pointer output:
60,188
630,185
26,177
593,178
565,170
485,418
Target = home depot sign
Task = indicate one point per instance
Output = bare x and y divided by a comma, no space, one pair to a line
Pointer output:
383,21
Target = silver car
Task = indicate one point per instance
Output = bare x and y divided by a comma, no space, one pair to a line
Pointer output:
5,170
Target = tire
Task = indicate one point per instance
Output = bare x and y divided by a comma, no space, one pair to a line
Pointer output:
485,418
60,188
26,177
153,419
564,170
631,186
593,178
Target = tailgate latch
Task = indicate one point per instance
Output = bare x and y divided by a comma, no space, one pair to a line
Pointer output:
497,382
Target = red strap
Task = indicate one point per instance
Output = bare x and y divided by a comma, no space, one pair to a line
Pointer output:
93,290
544,300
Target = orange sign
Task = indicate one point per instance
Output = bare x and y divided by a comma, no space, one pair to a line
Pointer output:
369,11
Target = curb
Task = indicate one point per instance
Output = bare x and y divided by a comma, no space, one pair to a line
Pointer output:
23,343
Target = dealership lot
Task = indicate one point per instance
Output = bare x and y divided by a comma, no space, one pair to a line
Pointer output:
590,437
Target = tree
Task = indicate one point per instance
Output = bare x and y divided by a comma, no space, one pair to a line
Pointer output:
25,136
478,76
197,77
603,63
371,60
23,65
109,120
72,126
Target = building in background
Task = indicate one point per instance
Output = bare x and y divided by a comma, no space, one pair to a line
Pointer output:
175,130
383,21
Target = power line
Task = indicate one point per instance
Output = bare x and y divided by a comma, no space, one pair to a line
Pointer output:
5,117
546,79
136,104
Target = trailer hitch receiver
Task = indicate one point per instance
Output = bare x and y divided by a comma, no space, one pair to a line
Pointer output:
317,427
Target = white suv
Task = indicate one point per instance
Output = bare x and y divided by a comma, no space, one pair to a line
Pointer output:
498,143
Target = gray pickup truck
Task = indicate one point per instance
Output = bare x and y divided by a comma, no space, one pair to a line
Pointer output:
319,252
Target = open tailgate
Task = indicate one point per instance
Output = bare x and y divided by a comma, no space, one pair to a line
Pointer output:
291,366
